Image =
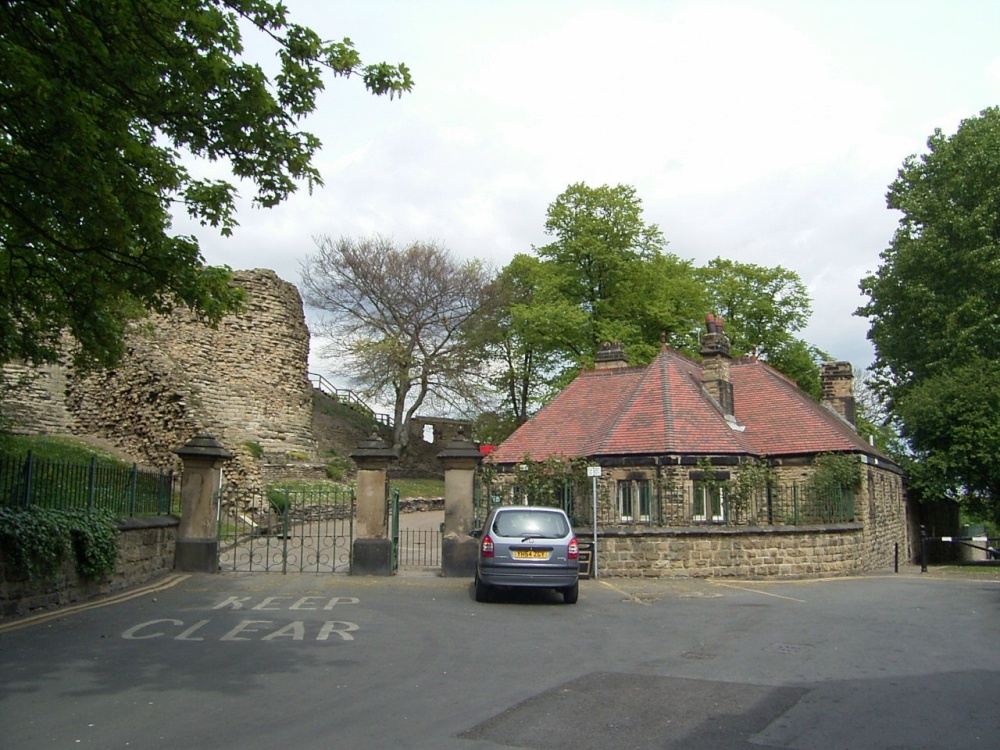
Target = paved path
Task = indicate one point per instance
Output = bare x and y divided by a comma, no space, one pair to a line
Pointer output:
305,661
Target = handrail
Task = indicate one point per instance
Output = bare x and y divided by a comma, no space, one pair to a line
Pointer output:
349,398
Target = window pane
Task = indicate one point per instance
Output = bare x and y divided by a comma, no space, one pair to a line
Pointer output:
698,512
625,510
645,500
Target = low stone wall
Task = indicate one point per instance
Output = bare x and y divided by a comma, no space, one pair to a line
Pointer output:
145,552
739,552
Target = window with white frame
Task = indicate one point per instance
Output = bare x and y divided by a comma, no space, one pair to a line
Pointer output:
635,500
709,502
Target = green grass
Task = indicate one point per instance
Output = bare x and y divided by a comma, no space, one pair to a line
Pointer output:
418,487
67,450
407,487
63,477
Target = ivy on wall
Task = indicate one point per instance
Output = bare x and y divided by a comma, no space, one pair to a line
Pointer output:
36,541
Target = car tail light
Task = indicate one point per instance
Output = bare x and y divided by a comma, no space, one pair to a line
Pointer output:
487,547
573,551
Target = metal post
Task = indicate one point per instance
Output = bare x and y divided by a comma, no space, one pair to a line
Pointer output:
29,470
91,482
594,561
133,489
923,549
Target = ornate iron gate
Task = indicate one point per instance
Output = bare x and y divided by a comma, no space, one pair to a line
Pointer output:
287,531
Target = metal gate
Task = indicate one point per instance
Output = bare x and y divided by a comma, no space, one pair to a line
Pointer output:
412,548
287,531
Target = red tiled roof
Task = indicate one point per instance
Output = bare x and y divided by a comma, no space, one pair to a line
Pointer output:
662,409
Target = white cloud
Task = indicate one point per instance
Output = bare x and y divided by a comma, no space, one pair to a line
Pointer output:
762,130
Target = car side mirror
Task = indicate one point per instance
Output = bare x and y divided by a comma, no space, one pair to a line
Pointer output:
476,533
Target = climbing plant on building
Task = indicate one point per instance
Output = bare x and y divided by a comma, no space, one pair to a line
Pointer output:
36,541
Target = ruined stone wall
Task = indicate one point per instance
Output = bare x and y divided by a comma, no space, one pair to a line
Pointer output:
37,405
245,382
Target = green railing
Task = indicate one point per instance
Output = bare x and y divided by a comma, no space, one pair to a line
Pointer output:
125,491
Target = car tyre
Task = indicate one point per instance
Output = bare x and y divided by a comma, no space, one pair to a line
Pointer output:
482,591
571,593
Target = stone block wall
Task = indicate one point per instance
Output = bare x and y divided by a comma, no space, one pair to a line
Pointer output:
246,382
713,552
145,552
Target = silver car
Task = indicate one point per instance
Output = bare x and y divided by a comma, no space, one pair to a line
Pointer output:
528,546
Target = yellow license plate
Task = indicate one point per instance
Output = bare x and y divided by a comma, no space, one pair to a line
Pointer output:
531,554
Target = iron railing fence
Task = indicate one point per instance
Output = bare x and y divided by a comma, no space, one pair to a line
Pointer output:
126,491
284,530
349,398
728,504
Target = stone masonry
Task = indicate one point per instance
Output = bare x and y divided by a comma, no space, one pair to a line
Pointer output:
245,382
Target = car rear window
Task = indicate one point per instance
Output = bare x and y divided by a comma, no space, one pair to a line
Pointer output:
533,523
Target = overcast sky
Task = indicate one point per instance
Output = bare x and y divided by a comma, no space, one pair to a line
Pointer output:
762,131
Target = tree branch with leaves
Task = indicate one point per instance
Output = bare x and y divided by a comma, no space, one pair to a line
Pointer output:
103,104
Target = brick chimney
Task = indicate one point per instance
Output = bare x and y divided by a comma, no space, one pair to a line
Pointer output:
610,356
837,381
715,363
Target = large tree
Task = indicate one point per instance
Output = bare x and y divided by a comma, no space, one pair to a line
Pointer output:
524,341
607,262
605,277
398,320
102,103
933,306
764,307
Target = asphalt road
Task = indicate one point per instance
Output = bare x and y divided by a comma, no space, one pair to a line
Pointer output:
306,661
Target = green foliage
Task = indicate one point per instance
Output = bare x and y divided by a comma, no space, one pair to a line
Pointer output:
337,467
835,472
93,534
419,487
102,102
254,449
279,500
541,481
66,450
36,540
933,311
606,278
493,427
763,309
751,480
606,265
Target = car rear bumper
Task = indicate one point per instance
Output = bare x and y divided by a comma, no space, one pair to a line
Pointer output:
544,578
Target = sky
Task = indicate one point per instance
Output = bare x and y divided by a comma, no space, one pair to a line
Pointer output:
761,131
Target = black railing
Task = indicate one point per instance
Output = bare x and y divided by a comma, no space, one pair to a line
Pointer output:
348,398
126,491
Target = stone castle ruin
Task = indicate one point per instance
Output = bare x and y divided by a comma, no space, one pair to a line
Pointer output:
246,382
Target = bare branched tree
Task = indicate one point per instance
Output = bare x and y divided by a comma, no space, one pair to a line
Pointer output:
397,319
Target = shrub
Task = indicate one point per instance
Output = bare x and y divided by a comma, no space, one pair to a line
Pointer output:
279,500
36,540
254,449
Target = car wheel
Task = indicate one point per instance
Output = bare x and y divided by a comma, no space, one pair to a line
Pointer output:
571,593
482,591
